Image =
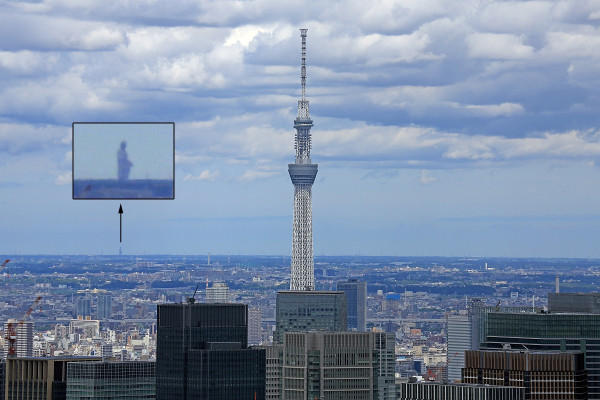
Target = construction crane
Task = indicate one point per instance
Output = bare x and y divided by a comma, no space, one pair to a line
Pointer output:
11,328
192,299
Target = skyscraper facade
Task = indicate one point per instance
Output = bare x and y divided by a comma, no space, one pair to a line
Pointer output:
460,333
466,331
103,306
274,369
25,339
297,311
574,302
2,378
23,345
338,366
83,308
132,380
356,300
202,353
254,326
454,391
544,375
217,293
564,332
302,174
38,378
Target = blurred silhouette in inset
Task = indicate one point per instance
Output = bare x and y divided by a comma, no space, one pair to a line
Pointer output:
124,165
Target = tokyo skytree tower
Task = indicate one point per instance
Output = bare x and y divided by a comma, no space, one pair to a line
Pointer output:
303,173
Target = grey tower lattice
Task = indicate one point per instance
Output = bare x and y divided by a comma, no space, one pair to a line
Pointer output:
303,173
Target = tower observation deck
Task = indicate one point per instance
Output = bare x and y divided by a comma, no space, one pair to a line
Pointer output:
302,174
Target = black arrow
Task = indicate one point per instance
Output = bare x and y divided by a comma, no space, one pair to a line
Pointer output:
120,223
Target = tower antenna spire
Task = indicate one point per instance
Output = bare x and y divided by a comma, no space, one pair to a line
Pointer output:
302,174
303,68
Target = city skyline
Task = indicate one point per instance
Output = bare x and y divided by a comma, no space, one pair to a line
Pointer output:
463,130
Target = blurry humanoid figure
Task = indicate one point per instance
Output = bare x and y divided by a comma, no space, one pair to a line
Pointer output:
124,165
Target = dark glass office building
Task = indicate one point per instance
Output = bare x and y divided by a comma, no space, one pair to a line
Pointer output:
131,380
2,378
569,332
305,311
574,302
202,353
356,300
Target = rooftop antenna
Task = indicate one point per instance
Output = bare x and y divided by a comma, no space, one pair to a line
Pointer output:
557,283
303,108
303,69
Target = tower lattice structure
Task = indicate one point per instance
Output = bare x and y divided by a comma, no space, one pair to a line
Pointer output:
303,173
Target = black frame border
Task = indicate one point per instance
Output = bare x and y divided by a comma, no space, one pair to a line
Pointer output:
116,123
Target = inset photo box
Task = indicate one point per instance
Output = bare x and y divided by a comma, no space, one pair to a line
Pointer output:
123,160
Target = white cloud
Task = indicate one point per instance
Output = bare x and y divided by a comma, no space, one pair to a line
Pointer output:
63,179
205,175
100,38
60,96
260,172
566,45
21,138
498,46
426,178
515,16
496,110
26,61
421,81
182,158
244,35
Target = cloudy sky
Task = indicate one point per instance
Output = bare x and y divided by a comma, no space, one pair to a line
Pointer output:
467,128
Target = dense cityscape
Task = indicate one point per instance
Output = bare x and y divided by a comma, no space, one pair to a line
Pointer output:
106,306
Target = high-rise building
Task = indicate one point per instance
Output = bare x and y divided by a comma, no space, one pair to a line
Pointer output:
454,391
254,326
106,351
466,331
338,365
574,302
2,378
132,380
564,332
303,173
460,335
217,293
83,308
545,375
103,306
23,345
38,378
303,311
273,373
25,339
356,300
202,353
